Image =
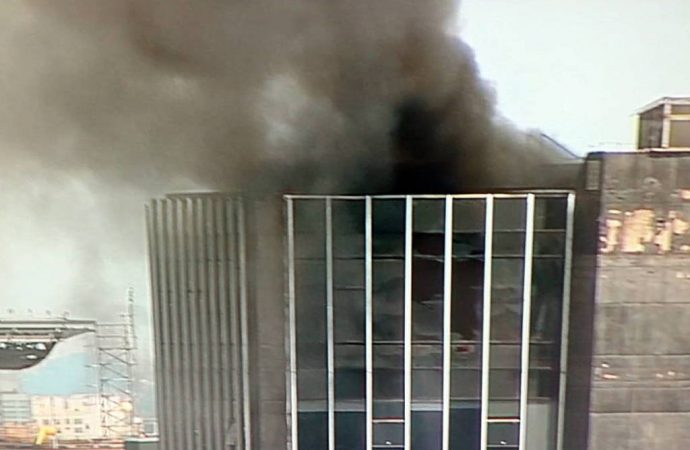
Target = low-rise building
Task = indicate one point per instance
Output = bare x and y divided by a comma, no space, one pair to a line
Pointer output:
76,416
15,407
16,421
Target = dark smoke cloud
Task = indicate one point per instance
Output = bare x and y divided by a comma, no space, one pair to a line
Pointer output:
107,103
209,92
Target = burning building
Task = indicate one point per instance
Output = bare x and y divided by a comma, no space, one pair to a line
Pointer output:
523,318
351,313
431,320
360,319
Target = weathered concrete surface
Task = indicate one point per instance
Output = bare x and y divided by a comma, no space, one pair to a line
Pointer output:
640,378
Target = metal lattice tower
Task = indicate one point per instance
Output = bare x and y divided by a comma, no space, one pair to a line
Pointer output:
116,349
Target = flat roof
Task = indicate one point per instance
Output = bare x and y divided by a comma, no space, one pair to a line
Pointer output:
664,101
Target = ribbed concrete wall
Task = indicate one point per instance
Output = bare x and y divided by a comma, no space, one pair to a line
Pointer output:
217,282
194,252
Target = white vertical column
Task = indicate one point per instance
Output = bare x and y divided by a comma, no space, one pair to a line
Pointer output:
184,319
294,443
565,321
224,320
194,242
214,324
486,320
244,330
368,324
204,317
526,318
447,285
666,127
234,316
408,325
182,433
330,348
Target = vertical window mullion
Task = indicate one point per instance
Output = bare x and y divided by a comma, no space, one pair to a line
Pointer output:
486,319
407,343
234,319
294,417
369,324
447,285
565,321
526,319
330,350
244,319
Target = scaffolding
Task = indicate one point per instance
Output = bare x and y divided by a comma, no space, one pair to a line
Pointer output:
116,348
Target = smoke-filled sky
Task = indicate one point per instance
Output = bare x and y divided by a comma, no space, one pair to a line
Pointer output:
104,104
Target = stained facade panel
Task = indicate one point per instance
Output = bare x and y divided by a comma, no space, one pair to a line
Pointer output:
640,352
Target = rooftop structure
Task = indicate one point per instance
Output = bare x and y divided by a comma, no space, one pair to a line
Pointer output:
664,125
25,343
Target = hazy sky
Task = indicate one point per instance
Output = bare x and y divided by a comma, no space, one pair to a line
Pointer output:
580,69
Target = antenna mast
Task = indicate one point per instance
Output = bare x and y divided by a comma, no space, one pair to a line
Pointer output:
116,344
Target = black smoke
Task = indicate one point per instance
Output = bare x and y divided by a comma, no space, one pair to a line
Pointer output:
106,104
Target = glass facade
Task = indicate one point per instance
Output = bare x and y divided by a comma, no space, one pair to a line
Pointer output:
427,322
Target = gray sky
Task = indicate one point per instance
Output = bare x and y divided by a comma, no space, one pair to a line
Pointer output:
579,69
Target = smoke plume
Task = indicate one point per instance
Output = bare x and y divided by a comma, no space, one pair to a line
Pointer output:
105,104
211,93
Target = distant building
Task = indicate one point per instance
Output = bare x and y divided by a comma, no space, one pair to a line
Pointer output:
15,407
16,421
76,416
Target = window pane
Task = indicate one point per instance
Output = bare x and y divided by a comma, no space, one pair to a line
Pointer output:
313,430
388,372
310,307
349,374
503,434
349,431
426,430
388,302
466,323
388,434
465,423
468,216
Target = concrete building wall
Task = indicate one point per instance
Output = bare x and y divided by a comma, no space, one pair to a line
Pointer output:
217,272
268,323
640,368
583,285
